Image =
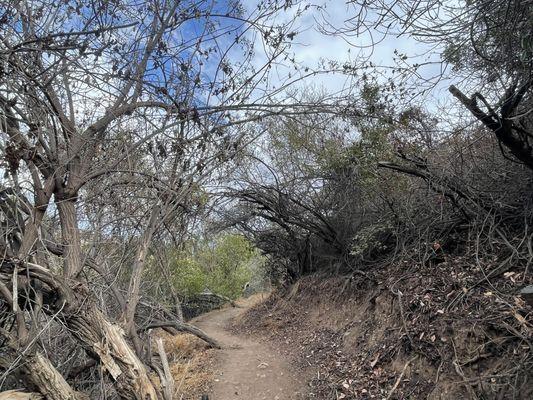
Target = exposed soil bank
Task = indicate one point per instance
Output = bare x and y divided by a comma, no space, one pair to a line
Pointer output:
424,332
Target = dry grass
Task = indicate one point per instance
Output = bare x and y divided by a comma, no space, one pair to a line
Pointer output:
250,302
191,364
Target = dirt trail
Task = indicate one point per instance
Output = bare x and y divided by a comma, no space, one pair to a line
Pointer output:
247,368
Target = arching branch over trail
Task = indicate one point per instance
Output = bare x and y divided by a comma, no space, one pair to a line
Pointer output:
516,138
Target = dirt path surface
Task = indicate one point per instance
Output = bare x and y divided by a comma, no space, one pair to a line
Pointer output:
247,368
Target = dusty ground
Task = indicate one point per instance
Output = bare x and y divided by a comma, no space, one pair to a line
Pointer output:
405,332
247,368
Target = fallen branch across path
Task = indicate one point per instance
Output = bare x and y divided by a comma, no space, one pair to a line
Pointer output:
184,327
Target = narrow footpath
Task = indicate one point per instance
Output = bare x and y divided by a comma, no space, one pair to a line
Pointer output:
247,368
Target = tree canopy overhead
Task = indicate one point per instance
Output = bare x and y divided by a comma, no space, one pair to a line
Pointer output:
133,133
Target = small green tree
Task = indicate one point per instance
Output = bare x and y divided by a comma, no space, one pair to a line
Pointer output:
228,265
222,266
188,276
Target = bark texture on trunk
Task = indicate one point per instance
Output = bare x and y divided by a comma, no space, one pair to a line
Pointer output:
107,341
48,380
167,380
38,374
71,237
18,395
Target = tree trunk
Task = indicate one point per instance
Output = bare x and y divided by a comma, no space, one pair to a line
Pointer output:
71,236
48,380
18,395
31,233
104,340
132,298
108,343
38,372
138,268
31,229
178,309
167,380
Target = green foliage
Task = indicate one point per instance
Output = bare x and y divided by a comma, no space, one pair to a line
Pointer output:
370,239
373,143
228,265
222,266
188,276
304,146
455,54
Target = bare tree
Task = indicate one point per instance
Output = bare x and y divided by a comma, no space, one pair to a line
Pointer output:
113,107
482,47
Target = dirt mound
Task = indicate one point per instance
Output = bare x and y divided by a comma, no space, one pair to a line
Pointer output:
442,331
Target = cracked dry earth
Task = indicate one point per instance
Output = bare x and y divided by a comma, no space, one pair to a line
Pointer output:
247,368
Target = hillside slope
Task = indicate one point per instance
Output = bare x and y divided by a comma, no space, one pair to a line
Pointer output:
442,331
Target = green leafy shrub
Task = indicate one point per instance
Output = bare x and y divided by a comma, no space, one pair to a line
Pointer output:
228,265
223,266
188,276
370,240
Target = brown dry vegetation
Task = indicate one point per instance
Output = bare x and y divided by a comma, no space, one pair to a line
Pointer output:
449,339
191,364
128,138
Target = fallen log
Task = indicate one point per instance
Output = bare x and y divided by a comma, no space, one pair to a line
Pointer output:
188,328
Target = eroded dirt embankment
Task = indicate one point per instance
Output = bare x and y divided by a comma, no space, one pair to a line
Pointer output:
423,333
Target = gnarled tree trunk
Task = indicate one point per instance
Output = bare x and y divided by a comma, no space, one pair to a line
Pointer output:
48,380
38,371
107,341
103,339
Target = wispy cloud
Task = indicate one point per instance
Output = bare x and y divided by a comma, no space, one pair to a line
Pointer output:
315,50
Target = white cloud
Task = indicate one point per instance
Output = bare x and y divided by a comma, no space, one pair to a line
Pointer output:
312,48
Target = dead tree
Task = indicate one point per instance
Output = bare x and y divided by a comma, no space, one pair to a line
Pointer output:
105,95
